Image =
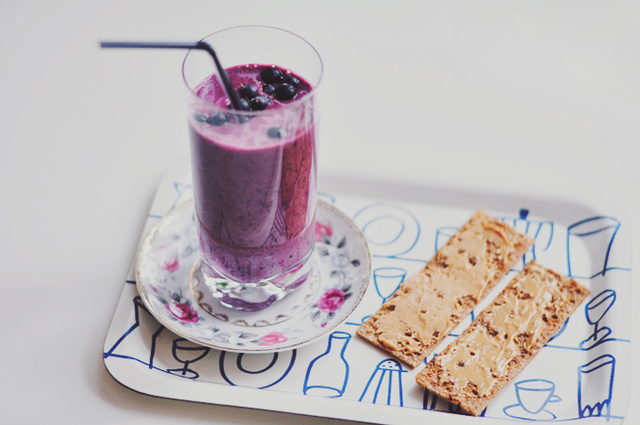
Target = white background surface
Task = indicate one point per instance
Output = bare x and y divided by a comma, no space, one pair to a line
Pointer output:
539,96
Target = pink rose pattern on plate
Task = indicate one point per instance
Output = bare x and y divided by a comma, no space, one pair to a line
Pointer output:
323,230
331,300
273,338
167,259
333,252
182,311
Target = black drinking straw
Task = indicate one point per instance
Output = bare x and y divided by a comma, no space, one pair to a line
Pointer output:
200,45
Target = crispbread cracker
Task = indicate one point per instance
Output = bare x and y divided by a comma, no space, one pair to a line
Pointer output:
503,339
430,303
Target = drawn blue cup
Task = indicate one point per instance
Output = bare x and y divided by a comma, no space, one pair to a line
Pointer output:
387,280
534,394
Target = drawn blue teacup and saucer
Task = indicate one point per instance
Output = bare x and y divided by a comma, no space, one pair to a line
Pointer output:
533,396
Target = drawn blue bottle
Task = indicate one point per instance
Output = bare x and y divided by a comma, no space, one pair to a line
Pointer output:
327,374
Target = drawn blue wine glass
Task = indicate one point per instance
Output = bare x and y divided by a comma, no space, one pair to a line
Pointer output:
595,310
187,353
327,374
387,280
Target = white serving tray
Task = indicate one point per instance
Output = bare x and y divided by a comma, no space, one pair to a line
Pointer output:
585,368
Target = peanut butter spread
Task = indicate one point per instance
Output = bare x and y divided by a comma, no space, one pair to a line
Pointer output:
432,302
513,325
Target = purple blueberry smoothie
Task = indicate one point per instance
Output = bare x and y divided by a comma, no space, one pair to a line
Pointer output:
254,174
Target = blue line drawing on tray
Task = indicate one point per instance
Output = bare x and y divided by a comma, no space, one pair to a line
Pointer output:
138,307
429,401
595,310
533,396
443,234
387,280
560,331
594,399
187,353
183,192
328,374
390,230
385,384
541,231
354,323
597,234
327,197
454,408
256,370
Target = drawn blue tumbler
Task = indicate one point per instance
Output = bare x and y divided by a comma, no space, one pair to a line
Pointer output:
589,244
327,374
595,386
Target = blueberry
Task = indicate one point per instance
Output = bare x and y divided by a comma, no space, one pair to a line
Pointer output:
240,119
277,133
248,92
218,119
260,103
244,105
271,75
286,92
201,117
268,89
290,79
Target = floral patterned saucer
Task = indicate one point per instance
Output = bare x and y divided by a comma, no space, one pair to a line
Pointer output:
169,283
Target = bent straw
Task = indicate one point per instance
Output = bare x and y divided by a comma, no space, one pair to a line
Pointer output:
200,45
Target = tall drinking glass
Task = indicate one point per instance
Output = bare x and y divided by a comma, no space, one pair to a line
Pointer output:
254,170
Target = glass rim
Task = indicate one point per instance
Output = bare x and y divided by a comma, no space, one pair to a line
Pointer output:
286,106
